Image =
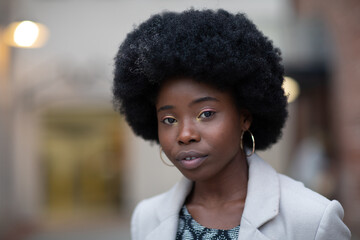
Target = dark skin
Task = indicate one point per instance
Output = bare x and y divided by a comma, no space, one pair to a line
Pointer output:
200,131
218,207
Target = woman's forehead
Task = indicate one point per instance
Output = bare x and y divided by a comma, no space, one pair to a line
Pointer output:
189,91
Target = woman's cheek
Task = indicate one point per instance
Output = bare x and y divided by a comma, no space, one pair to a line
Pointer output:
165,139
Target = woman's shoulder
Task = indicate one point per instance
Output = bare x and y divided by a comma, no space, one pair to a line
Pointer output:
151,212
175,196
302,203
291,190
149,206
308,211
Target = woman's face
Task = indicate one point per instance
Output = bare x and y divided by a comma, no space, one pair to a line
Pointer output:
199,128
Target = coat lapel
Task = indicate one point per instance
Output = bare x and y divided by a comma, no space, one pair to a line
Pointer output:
249,231
262,200
261,205
166,230
168,211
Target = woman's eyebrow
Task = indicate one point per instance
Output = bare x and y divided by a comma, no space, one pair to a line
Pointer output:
204,99
166,107
198,100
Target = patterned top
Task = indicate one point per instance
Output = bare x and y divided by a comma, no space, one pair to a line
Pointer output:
189,229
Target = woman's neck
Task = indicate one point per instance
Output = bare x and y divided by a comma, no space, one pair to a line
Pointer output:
230,185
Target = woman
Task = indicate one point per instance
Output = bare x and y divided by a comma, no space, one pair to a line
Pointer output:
205,85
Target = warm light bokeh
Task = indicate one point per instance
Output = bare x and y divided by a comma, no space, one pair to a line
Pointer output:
291,88
26,34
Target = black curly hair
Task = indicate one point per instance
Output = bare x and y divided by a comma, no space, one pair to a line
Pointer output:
215,47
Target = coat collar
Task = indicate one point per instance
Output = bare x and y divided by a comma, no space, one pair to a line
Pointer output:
168,210
263,196
261,204
175,199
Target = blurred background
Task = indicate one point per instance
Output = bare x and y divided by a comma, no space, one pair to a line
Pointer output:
70,168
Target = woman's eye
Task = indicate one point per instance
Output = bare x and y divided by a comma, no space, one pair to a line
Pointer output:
169,120
206,114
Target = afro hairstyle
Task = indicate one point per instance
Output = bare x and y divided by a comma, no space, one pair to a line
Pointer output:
216,47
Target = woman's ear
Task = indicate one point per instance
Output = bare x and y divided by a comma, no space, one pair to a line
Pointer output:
246,119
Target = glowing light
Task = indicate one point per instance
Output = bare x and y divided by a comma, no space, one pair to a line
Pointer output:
26,33
291,88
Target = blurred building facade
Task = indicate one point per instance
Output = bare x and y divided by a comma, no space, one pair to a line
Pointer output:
341,19
66,157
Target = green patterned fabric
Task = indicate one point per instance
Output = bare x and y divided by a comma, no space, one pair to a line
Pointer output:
189,229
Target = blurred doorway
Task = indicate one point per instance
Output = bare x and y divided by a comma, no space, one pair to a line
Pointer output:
81,162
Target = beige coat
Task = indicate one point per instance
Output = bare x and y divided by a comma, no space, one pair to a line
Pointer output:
276,208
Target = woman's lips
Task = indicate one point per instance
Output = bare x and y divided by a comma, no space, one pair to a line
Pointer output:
190,159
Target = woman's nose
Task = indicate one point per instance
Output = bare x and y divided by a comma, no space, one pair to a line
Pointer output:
188,133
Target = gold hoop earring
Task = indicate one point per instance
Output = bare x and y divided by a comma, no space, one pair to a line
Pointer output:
169,165
253,143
